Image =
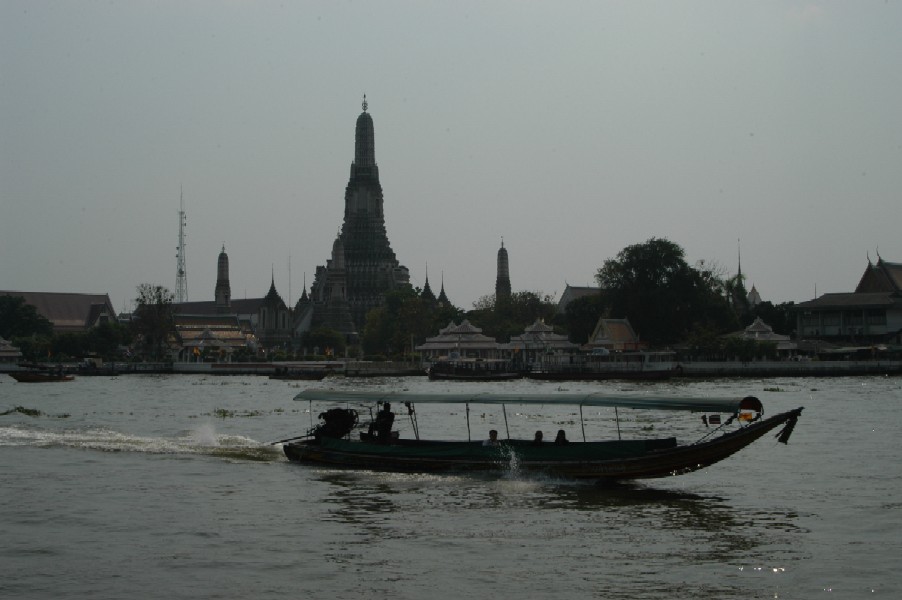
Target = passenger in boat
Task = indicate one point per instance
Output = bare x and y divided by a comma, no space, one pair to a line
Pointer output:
537,441
385,418
561,438
493,439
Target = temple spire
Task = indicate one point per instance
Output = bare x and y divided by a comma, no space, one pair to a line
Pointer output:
223,290
503,280
442,297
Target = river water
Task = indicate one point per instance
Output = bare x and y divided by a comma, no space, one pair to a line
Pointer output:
167,486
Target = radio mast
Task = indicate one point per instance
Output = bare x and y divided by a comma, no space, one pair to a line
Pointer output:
181,277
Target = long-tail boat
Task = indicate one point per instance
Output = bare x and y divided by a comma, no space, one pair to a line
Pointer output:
35,373
332,443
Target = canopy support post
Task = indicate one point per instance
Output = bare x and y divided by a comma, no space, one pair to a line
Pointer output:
469,437
506,428
582,423
311,414
414,422
617,418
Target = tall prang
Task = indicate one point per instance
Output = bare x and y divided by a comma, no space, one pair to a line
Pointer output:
503,278
371,268
223,289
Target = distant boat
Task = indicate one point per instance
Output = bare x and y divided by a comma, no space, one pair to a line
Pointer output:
35,373
640,365
473,369
300,374
331,443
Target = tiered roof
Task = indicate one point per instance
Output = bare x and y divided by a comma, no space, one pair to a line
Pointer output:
465,339
541,335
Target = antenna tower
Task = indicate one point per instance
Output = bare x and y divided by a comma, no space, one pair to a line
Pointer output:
181,277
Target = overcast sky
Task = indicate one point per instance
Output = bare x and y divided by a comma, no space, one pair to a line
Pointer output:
570,129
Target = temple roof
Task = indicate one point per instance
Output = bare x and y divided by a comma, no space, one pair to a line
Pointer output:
465,336
852,300
572,292
427,292
881,277
272,298
616,334
68,312
762,332
542,334
8,352
442,297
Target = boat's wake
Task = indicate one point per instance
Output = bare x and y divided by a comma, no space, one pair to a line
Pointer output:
200,441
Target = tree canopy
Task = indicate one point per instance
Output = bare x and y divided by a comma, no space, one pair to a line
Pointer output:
154,318
406,318
325,341
509,316
18,319
581,316
664,298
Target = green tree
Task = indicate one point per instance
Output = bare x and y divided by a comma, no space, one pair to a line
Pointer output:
779,316
70,345
34,347
506,317
154,319
405,317
18,319
663,297
581,317
327,340
105,339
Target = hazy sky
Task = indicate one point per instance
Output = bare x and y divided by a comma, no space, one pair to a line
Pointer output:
572,129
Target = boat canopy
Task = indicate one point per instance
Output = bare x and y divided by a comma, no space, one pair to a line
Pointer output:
698,404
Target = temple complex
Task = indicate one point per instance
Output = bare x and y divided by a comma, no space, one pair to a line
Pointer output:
220,327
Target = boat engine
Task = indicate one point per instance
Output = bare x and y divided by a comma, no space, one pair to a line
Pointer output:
336,423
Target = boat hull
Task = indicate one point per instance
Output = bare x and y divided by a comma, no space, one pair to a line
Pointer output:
29,377
300,376
596,375
634,459
474,377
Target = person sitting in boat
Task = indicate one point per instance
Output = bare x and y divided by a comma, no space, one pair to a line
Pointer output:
493,439
537,441
561,438
385,418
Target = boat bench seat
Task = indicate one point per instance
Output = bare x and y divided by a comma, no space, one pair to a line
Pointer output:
661,443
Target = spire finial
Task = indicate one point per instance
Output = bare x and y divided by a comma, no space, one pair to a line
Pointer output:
364,103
